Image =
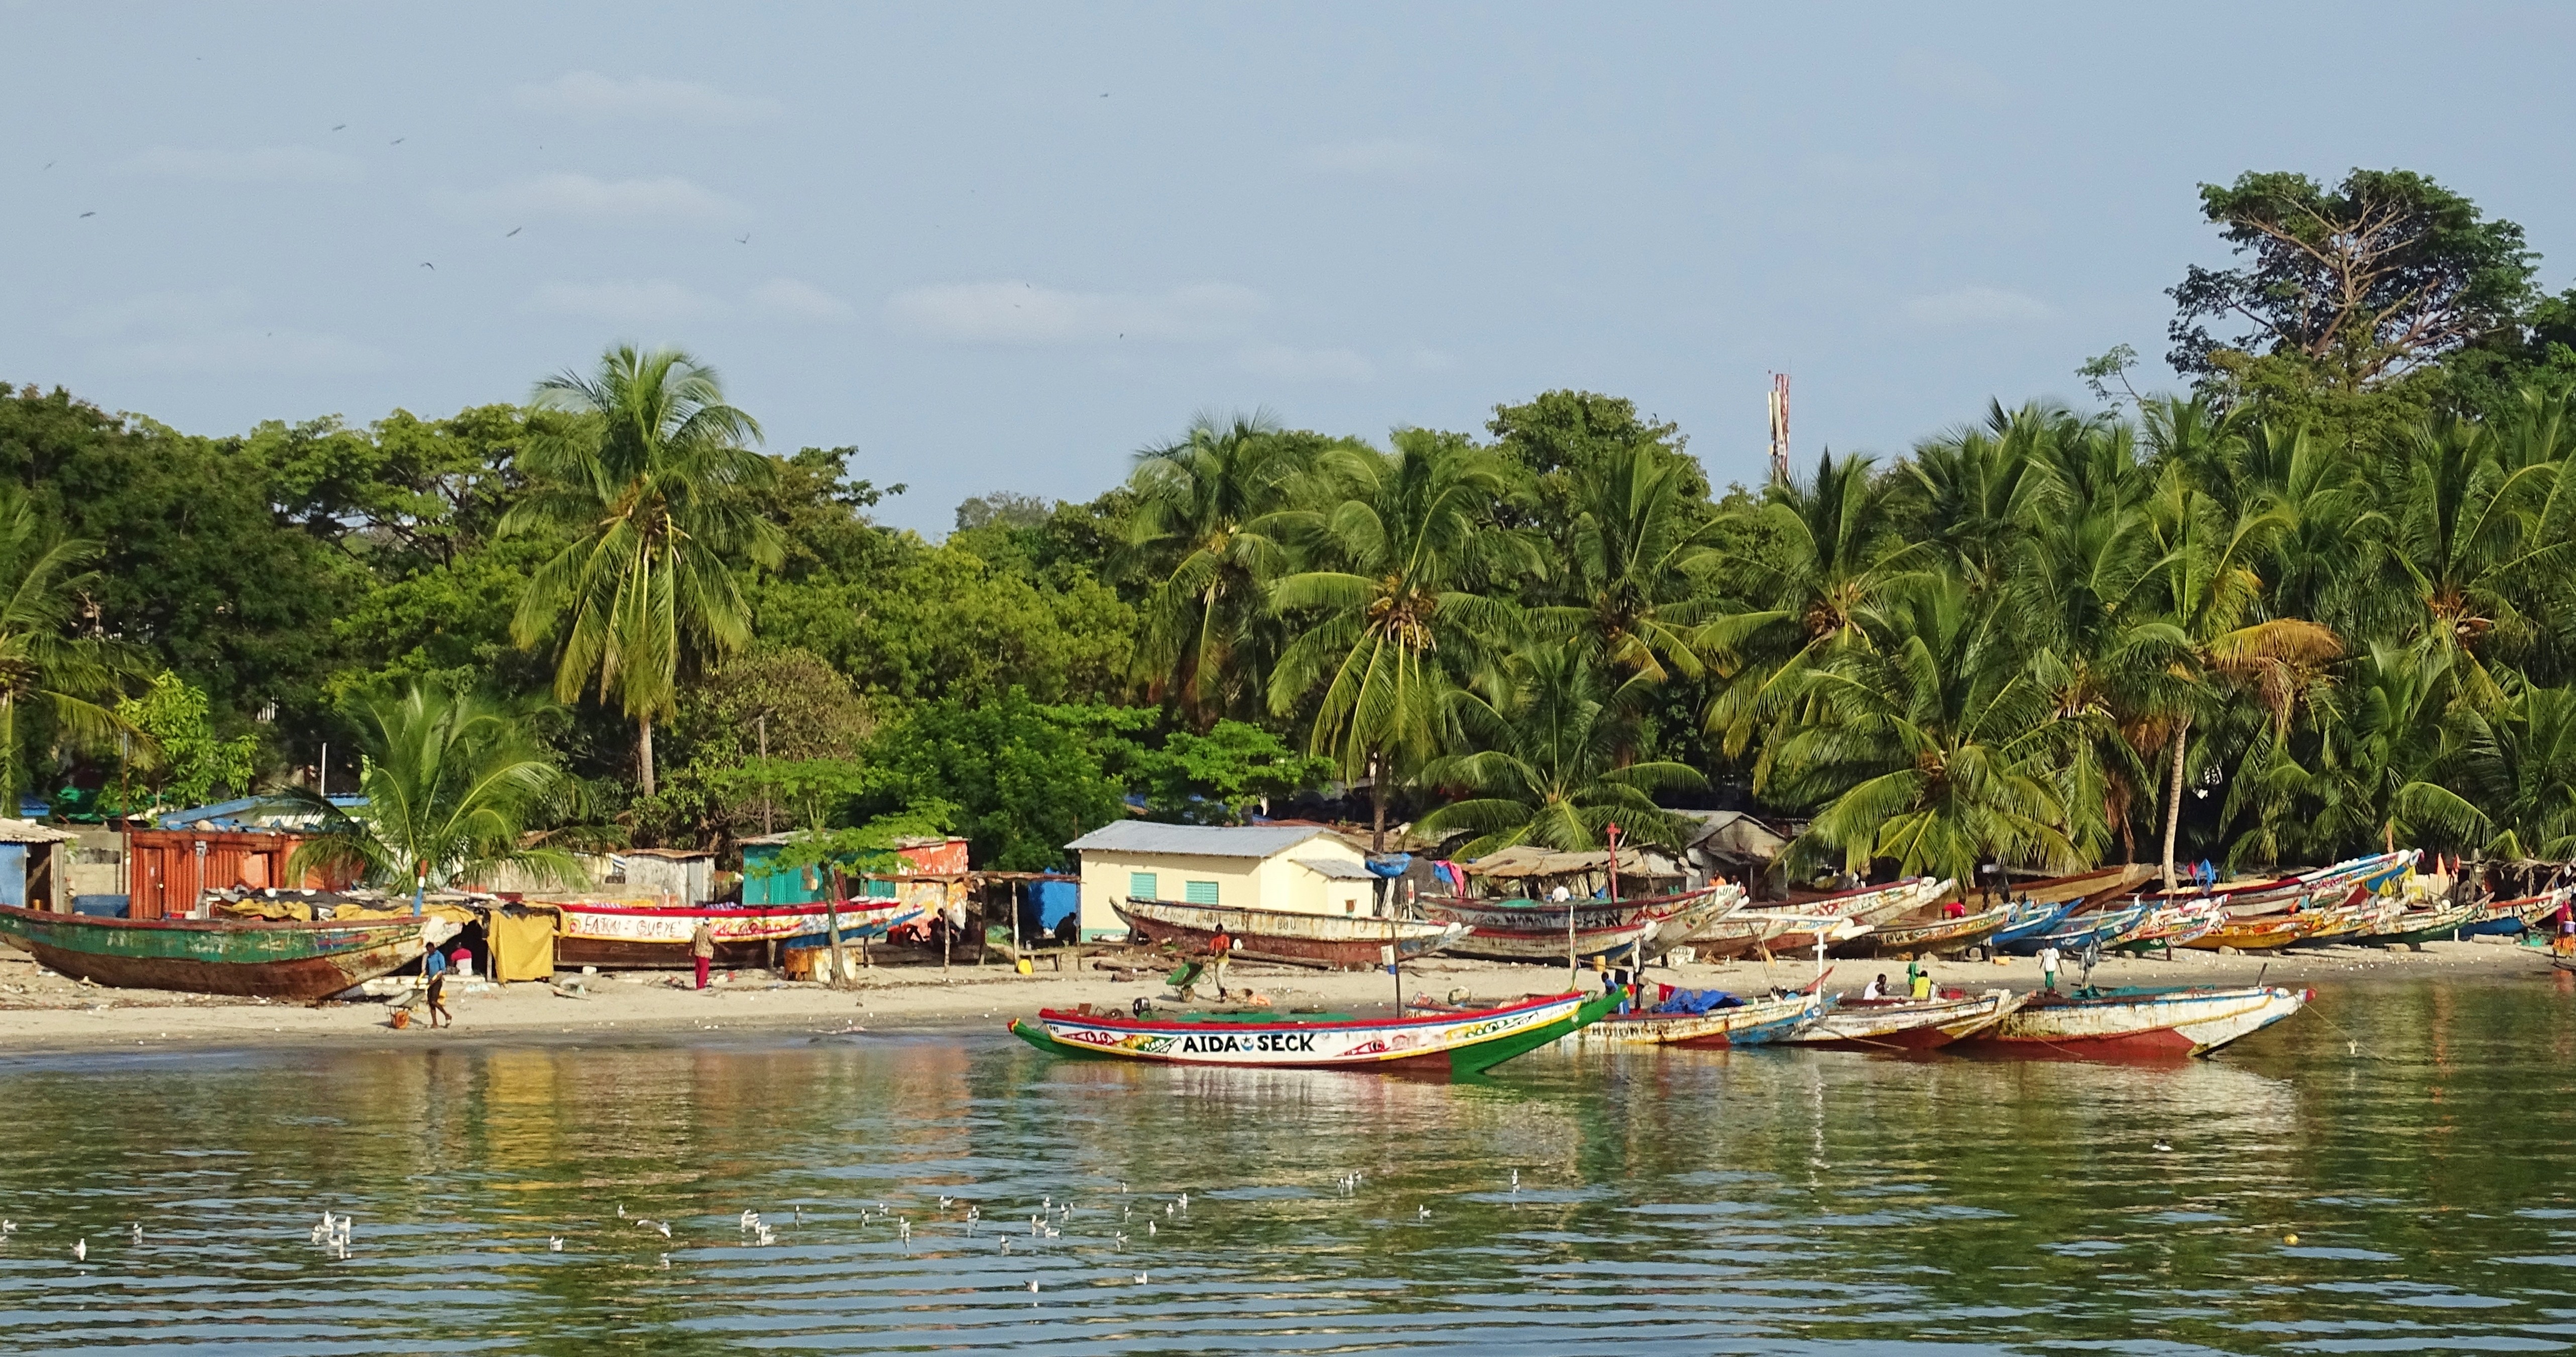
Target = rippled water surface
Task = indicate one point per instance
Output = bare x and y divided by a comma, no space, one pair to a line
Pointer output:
1765,1201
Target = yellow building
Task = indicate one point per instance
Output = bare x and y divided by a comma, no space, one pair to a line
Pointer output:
1305,869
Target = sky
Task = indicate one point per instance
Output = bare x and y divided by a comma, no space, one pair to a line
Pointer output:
1005,247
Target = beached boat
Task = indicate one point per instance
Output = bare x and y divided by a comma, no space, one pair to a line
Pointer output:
1344,941
1793,926
2137,1023
258,958
1535,930
2504,918
1927,937
2262,933
1750,1022
1456,1042
626,937
2415,927
1905,1024
2029,921
2073,931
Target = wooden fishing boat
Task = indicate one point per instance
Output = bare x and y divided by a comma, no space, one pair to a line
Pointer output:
2099,884
1794,926
2508,917
2075,930
1753,1023
2262,933
1535,930
1927,937
1451,1042
1904,1024
617,937
2299,890
292,959
2029,921
1351,942
2094,1024
2415,927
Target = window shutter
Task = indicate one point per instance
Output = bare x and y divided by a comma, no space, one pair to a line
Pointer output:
1200,892
1143,886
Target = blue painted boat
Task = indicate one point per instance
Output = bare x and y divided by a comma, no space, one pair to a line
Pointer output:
2029,921
2512,918
2072,932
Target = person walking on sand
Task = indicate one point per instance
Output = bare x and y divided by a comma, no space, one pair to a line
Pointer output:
438,1014
1219,948
702,949
2048,968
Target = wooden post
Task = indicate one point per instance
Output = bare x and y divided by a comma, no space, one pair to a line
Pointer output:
1395,963
832,914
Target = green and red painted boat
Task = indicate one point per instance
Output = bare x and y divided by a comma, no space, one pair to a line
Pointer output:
251,957
1454,1041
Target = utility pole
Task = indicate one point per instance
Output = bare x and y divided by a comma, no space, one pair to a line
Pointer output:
1780,426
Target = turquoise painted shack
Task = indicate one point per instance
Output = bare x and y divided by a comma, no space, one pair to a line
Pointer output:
766,882
34,865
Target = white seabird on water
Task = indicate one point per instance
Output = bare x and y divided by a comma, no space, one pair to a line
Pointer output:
80,1251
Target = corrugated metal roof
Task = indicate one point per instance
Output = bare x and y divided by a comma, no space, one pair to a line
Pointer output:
1206,841
1337,870
26,831
250,814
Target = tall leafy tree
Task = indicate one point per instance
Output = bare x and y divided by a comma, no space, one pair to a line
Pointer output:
1933,747
651,488
1547,768
1393,613
1200,530
59,680
1639,545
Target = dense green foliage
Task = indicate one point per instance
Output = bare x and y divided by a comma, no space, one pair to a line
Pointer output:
2319,603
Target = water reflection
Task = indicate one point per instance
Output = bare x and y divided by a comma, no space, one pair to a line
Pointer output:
2414,1138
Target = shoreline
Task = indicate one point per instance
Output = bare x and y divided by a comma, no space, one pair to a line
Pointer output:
46,1015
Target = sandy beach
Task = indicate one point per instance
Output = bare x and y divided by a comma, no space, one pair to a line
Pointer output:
44,1013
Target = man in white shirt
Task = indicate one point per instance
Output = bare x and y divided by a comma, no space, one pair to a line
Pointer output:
2048,967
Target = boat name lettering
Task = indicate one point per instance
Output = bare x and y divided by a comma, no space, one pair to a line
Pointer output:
1274,1042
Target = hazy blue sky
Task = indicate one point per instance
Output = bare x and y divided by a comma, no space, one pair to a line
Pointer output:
1001,248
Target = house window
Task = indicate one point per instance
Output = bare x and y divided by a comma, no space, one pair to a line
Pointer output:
1143,886
1199,892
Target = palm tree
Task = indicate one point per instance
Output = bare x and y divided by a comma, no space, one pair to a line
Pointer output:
2519,764
1640,543
1198,532
1934,745
2387,744
1390,616
2212,634
648,484
1798,575
69,682
1549,773
452,784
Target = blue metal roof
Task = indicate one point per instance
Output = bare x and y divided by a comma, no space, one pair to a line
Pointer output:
246,814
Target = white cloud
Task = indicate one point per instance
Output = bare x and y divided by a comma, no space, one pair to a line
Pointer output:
1977,306
261,165
1427,359
799,300
213,334
1305,365
1024,313
1377,156
624,301
1949,77
666,199
593,97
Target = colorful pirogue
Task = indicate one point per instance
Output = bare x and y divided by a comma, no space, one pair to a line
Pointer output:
1454,1042
290,959
1539,930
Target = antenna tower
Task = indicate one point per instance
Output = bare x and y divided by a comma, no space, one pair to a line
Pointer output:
1780,426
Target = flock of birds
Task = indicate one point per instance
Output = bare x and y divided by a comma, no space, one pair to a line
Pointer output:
334,1231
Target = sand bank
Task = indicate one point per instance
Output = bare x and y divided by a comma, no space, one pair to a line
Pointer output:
43,1013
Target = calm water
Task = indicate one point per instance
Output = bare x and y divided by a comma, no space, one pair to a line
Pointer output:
1773,1202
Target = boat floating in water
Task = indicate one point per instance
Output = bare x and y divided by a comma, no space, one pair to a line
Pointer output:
1906,1024
1451,1041
2134,1023
255,958
1725,1023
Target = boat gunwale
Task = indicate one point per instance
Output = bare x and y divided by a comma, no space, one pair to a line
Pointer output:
55,918
1134,1024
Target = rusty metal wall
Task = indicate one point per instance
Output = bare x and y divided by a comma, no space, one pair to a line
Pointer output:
167,874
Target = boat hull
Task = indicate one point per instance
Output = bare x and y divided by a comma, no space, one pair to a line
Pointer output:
1759,1023
623,938
1936,937
1537,932
293,960
1346,942
2155,1025
1453,1043
1906,1026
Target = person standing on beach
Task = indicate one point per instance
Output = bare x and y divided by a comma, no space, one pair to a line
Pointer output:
702,949
1219,948
2048,968
438,1014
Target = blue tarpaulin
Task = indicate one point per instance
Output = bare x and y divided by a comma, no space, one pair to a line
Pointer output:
1672,1000
1055,901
